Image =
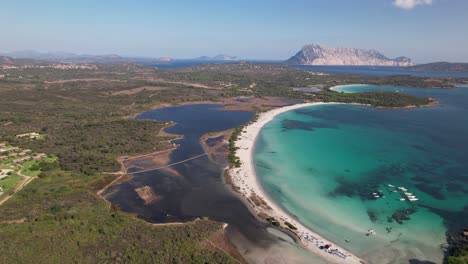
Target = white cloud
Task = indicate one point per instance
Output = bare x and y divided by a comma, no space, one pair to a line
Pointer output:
410,4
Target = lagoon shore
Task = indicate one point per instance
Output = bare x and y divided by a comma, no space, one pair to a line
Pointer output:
245,180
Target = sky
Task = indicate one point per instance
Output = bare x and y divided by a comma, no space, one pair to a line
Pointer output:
424,30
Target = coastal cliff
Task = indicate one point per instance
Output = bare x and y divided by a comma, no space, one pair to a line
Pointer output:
314,54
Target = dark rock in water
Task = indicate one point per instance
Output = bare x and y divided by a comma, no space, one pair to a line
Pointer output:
372,216
419,147
456,174
389,219
309,126
452,187
417,261
347,170
433,191
403,215
347,188
421,179
389,229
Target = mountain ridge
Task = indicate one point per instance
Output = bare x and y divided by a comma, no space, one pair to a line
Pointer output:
314,54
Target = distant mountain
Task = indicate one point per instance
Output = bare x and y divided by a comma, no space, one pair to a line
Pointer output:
220,57
32,54
80,58
441,67
314,54
5,60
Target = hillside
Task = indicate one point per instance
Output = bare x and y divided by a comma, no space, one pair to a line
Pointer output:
441,67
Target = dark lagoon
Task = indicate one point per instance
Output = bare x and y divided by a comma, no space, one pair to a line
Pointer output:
199,189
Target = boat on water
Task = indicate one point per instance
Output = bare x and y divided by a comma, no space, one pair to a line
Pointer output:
402,199
371,232
413,199
391,186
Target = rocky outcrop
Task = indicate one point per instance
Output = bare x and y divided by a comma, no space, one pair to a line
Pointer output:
314,54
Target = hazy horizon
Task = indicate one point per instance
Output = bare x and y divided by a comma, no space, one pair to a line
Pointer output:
423,30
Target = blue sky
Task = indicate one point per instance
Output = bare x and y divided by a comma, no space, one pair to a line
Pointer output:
273,29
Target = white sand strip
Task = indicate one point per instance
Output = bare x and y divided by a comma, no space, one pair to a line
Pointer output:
246,180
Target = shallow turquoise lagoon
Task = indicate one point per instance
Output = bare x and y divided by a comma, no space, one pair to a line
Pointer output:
334,167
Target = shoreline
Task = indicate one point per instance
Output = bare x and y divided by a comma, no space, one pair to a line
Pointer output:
246,181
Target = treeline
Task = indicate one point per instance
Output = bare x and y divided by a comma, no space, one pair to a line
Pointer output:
379,99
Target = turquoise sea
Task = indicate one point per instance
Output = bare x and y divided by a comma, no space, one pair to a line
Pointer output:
333,168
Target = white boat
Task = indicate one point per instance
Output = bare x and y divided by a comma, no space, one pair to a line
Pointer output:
408,193
413,199
376,196
411,196
389,185
402,199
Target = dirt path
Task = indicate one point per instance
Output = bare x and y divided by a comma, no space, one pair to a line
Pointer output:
195,85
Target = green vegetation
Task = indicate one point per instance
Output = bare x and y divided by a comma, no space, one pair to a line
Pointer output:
291,226
273,221
459,255
379,99
232,158
9,183
33,168
61,220
93,147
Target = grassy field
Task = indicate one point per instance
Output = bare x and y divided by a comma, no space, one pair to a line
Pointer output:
9,183
32,168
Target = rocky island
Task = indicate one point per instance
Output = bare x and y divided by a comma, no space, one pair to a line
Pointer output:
313,54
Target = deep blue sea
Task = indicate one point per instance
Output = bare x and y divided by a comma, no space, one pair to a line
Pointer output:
380,71
359,70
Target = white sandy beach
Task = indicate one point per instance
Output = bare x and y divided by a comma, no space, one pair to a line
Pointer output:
246,180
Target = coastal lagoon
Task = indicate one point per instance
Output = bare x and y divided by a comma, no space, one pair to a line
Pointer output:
333,168
198,190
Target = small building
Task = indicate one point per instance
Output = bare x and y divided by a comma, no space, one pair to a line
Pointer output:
3,150
4,173
39,156
24,152
22,159
31,135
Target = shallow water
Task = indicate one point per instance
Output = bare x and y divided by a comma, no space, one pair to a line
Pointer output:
323,164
